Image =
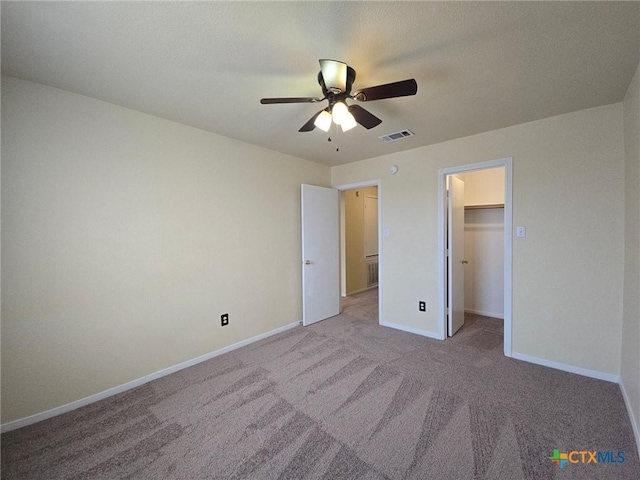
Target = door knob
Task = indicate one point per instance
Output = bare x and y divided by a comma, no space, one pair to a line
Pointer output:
464,262
307,262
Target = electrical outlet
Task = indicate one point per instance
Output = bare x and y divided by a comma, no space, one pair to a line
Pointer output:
422,306
224,319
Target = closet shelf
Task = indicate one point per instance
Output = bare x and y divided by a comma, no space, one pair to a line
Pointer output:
484,206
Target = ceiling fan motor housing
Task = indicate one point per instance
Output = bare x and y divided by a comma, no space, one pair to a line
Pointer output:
351,76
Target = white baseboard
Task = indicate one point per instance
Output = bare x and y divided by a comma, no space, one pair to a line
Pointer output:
484,314
567,368
417,331
38,417
632,417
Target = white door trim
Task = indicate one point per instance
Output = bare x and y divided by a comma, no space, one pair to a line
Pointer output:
507,163
351,186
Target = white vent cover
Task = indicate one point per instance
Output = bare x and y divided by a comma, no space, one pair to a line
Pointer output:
392,137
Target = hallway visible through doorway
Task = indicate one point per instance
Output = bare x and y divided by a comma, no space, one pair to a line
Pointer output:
362,305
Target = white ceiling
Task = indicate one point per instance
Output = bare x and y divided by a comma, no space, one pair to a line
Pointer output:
479,65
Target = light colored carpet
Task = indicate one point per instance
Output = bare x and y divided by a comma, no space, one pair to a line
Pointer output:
342,399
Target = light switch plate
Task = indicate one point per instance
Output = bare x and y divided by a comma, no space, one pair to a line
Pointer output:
521,232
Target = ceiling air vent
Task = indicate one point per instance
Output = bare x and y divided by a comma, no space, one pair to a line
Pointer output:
395,136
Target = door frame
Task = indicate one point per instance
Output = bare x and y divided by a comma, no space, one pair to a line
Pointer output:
507,163
343,283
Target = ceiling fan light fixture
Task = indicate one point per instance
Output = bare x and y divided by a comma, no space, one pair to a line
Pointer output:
348,122
334,75
323,121
339,112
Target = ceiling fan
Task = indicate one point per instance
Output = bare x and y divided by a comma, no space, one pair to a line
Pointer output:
336,79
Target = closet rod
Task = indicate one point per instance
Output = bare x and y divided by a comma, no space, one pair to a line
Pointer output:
488,205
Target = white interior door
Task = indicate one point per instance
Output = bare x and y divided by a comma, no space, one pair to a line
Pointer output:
320,254
456,261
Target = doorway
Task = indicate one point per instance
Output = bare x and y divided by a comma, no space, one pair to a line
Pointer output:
450,291
361,239
361,258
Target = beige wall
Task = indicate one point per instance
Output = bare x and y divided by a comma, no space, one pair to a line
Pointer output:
124,239
568,190
354,238
483,187
484,250
630,365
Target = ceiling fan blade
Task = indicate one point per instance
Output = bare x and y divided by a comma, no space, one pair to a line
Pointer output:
334,74
363,117
270,101
310,125
404,88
